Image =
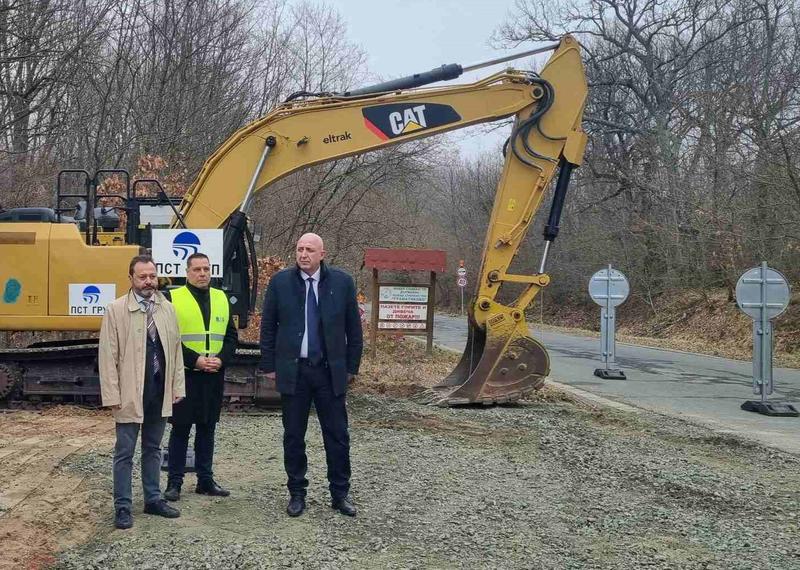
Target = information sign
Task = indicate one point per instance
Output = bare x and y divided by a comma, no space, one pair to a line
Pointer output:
402,312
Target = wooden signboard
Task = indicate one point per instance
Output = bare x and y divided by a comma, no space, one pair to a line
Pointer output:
404,308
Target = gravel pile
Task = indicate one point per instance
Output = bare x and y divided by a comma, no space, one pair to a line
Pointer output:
537,485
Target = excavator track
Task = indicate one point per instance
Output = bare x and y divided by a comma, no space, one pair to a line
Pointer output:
66,371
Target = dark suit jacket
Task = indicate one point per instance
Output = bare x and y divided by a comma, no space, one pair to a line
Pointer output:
283,325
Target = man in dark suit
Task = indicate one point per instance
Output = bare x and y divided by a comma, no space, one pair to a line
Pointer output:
311,344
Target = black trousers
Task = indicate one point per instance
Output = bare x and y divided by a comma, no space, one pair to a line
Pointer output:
203,452
314,385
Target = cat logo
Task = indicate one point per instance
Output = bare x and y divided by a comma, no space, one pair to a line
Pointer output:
397,119
409,120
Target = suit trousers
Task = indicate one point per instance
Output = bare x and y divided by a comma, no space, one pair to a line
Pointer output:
314,385
203,452
152,431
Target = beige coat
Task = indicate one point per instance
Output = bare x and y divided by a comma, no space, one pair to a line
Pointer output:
121,356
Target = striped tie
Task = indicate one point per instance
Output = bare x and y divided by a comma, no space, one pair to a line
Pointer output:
152,332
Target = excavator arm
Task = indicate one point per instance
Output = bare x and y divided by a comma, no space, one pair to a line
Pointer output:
501,362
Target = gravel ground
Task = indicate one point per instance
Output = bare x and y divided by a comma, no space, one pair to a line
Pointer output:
536,485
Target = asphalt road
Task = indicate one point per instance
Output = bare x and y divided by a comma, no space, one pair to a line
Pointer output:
703,389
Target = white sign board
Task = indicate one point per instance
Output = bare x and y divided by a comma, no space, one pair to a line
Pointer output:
400,312
172,247
90,299
404,294
461,271
462,282
406,326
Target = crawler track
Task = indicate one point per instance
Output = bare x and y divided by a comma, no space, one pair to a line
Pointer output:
66,371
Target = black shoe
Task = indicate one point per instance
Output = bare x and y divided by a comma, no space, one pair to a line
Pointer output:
296,506
345,506
211,488
123,518
162,509
173,492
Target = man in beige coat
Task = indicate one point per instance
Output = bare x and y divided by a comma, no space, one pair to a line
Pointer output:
141,376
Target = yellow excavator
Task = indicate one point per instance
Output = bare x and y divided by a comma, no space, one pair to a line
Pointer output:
48,259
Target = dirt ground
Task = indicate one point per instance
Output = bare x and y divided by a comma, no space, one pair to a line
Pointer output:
43,508
549,483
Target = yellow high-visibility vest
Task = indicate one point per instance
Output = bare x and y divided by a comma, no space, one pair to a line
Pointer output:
194,335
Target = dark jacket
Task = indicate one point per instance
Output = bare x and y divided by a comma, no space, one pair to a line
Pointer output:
203,389
283,325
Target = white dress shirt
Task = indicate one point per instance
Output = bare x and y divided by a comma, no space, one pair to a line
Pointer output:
304,344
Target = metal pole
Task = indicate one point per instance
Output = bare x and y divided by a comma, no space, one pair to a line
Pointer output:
766,338
429,316
375,310
462,301
543,262
269,144
548,47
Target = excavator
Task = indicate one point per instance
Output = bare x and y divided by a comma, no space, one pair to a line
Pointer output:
48,258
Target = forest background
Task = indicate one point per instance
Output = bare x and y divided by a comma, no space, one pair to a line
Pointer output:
691,173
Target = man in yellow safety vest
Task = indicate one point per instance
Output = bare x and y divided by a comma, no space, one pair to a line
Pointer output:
209,341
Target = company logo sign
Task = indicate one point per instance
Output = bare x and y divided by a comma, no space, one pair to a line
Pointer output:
398,119
171,249
90,299
185,244
91,295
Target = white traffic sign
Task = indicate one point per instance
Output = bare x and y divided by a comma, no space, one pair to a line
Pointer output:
461,271
462,282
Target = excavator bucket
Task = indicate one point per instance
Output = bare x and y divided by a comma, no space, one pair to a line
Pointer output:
499,365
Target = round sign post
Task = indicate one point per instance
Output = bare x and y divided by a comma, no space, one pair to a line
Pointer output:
608,288
763,293
462,283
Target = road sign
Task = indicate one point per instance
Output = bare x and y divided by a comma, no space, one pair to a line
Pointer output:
608,288
461,271
762,287
762,293
462,282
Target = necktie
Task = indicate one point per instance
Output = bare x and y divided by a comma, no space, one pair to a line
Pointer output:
313,324
152,332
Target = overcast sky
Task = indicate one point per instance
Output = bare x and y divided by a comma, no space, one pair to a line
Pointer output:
402,37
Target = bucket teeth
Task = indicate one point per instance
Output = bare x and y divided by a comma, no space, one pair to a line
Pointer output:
497,367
